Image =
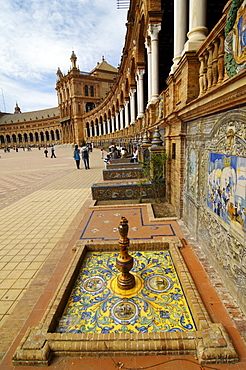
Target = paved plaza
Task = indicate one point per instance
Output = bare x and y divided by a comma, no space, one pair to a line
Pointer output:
46,207
39,198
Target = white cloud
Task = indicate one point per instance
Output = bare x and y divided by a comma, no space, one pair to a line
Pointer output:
37,36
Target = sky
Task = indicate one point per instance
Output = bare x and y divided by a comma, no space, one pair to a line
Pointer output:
38,36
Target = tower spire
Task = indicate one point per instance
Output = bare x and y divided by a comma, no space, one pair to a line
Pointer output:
17,109
73,60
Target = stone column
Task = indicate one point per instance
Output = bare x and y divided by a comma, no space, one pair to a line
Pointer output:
121,118
180,31
91,132
126,113
104,127
108,125
132,105
140,91
117,120
197,25
153,31
148,47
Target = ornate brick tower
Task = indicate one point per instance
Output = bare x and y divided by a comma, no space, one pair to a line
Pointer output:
80,92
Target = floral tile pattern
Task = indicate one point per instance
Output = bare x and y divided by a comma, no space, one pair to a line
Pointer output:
156,303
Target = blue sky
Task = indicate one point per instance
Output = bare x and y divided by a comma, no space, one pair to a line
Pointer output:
38,36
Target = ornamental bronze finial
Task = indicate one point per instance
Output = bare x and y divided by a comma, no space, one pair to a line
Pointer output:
124,261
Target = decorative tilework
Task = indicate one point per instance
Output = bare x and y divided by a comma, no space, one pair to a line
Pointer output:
107,223
156,303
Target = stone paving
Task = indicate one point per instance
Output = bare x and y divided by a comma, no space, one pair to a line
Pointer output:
39,198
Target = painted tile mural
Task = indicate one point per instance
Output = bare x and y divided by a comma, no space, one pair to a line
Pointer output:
156,303
227,188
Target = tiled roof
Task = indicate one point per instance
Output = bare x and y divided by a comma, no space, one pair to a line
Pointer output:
29,116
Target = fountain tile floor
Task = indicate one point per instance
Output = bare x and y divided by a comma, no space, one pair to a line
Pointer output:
156,303
103,224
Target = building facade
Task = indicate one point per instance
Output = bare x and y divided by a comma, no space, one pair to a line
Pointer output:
38,128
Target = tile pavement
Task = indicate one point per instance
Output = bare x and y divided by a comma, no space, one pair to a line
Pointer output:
40,222
39,197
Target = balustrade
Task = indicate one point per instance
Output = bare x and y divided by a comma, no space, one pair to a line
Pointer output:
211,58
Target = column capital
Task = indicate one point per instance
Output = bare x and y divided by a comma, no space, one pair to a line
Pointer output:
140,72
153,30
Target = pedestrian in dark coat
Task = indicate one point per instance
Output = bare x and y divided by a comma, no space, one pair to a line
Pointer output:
76,156
85,157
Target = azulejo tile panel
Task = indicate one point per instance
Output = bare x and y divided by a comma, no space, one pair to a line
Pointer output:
156,303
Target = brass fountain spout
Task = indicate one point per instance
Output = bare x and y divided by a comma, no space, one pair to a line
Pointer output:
124,261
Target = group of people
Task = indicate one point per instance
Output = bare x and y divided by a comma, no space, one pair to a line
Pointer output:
84,152
52,151
119,152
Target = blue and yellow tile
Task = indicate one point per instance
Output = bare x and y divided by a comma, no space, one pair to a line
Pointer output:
156,303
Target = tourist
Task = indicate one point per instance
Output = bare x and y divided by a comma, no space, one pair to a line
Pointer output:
52,152
134,155
46,152
123,152
76,156
85,157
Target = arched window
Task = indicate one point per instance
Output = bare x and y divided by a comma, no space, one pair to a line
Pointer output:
86,90
57,135
92,90
89,107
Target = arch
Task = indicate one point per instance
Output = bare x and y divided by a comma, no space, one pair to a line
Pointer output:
127,88
96,127
25,137
141,43
52,134
87,129
47,135
20,138
2,141
36,137
101,125
31,137
132,72
91,90
86,90
14,139
41,136
57,134
8,140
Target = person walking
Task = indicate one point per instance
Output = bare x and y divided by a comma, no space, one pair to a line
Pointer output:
46,152
85,157
52,152
76,156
